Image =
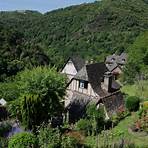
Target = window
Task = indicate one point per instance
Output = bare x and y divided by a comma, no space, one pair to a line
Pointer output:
113,59
123,60
83,84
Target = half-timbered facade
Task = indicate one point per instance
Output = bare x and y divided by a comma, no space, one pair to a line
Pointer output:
93,82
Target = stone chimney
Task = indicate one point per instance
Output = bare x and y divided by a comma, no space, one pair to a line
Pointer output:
108,81
86,62
91,61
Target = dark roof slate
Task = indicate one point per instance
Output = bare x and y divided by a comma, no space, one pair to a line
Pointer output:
119,59
111,58
111,67
82,74
122,59
78,62
94,74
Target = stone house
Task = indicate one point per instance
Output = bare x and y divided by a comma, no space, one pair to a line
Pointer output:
115,63
91,83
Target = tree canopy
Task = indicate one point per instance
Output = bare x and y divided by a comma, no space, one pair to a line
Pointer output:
40,95
137,66
90,30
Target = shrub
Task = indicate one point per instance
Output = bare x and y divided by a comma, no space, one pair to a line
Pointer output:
84,125
22,140
3,142
96,114
143,116
48,137
69,142
143,110
145,105
132,103
115,120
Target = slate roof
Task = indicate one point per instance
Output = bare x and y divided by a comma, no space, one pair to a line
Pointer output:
111,67
119,59
93,73
122,58
82,74
78,62
111,58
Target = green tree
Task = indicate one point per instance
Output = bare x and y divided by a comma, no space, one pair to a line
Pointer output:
84,125
137,67
41,92
48,137
97,116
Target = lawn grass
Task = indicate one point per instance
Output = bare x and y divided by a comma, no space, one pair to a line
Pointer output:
129,90
120,131
123,126
139,89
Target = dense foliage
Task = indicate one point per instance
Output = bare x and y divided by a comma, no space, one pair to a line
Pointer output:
84,125
53,138
69,142
40,92
96,115
22,140
137,66
16,53
91,30
5,126
132,103
48,137
3,142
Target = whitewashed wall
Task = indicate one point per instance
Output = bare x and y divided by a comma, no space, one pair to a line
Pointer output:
69,68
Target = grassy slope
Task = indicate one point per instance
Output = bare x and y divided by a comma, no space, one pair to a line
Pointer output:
121,131
139,89
123,126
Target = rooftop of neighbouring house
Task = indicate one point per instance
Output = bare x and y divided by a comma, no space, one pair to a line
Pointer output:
118,59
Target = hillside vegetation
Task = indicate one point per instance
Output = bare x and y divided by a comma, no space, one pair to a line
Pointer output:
16,53
90,30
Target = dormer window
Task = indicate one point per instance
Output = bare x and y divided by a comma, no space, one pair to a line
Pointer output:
123,60
83,84
113,59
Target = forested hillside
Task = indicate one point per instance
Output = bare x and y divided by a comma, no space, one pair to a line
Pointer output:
91,30
137,66
16,53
